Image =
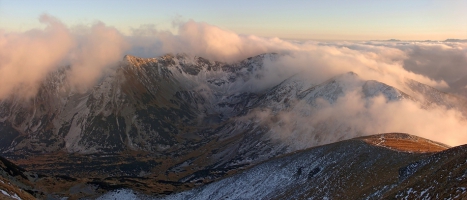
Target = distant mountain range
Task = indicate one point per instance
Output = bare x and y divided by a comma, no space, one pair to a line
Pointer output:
169,124
455,40
446,40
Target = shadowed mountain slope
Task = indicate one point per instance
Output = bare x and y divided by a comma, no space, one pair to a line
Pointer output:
352,169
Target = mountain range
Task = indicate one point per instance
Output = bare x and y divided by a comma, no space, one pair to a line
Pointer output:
176,123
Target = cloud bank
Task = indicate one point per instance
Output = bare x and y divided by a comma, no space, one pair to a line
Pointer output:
27,57
352,116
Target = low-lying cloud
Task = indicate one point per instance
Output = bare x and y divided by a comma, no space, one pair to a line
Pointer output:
353,116
442,62
201,39
27,57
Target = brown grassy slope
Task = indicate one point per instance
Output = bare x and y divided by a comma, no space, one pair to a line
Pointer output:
14,181
13,190
405,142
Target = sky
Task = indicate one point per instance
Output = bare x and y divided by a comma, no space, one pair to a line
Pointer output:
301,20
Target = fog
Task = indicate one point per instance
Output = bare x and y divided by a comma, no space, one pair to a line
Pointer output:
352,116
27,57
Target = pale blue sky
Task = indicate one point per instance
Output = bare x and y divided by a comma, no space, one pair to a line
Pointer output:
341,20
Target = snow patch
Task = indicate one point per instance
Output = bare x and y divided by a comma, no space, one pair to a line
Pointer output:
14,195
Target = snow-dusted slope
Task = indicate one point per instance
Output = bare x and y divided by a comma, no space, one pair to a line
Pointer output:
430,97
351,169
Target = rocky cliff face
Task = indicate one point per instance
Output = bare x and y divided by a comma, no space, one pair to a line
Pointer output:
140,105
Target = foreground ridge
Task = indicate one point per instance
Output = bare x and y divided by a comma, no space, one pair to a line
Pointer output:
351,169
356,168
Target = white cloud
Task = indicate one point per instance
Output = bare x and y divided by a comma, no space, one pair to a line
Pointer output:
26,58
351,116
